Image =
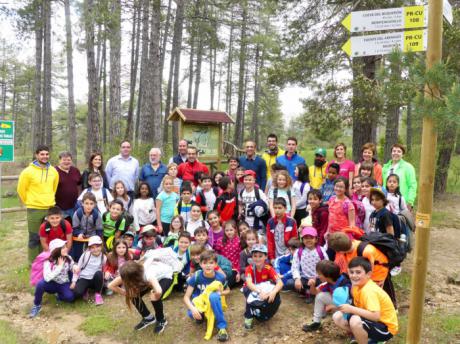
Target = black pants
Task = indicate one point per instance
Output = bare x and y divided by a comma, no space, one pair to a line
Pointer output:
262,313
165,228
299,215
82,285
390,289
165,283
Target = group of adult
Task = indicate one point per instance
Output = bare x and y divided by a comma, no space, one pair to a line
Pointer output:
42,186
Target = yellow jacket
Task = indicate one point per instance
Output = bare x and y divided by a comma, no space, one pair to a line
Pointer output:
271,159
203,305
37,186
317,176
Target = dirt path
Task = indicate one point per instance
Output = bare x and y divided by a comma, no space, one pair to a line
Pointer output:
58,325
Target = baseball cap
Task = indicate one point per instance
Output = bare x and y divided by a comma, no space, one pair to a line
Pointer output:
320,151
94,240
148,228
309,231
379,191
129,233
249,173
56,243
259,248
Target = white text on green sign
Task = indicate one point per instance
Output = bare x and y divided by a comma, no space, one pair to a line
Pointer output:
6,141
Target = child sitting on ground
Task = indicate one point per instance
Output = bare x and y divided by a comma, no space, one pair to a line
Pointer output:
224,266
149,240
304,262
280,229
202,282
283,264
373,317
201,237
331,278
261,289
89,275
55,276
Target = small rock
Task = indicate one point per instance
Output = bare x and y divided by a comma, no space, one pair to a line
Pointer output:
454,279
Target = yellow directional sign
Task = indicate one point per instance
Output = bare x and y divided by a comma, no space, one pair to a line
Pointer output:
369,45
410,17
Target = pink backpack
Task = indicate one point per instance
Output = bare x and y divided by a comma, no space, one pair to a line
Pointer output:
36,270
360,211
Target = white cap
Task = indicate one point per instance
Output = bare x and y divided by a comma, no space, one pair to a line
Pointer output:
94,240
56,243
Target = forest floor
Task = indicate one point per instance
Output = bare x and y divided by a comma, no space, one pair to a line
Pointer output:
81,322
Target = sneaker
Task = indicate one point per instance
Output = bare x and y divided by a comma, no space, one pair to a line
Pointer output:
248,323
160,327
144,323
222,335
109,292
311,327
395,271
34,311
98,300
309,299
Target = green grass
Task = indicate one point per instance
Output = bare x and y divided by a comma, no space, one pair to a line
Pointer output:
10,335
99,324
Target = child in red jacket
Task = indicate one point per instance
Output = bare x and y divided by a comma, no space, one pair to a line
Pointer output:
319,214
280,229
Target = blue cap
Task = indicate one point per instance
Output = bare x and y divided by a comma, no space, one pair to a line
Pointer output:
259,248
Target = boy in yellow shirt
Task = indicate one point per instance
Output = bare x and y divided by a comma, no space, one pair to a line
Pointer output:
372,318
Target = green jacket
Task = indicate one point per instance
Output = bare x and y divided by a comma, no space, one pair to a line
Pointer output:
407,179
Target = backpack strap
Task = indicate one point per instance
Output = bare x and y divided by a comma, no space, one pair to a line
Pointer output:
118,223
360,249
299,252
179,206
104,196
320,252
254,271
257,193
275,193
302,187
202,198
203,224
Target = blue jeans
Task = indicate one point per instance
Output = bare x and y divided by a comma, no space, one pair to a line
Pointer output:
216,306
63,290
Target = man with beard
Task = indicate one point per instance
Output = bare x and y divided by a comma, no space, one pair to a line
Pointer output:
318,169
37,188
153,171
272,152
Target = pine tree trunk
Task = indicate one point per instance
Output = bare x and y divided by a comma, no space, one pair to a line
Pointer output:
199,60
103,78
364,118
239,127
190,66
37,137
93,142
409,128
391,130
446,143
212,74
47,109
70,92
255,110
229,83
163,54
115,69
135,40
144,69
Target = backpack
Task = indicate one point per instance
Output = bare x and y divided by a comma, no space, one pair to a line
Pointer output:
225,265
227,208
360,212
62,224
36,270
264,219
94,213
318,250
215,190
275,193
263,310
104,195
385,243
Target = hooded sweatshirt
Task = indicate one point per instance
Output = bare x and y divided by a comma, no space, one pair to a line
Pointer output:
37,185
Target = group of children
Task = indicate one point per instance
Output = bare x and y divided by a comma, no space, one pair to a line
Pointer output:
227,232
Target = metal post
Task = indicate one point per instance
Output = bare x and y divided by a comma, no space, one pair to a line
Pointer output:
426,182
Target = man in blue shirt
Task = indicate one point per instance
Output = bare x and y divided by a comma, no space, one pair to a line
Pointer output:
253,162
153,171
123,167
290,159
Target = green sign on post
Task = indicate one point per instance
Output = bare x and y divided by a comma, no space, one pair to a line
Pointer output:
6,141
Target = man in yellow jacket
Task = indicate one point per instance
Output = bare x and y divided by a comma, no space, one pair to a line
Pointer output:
272,152
36,188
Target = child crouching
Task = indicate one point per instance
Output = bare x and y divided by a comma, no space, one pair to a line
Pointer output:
202,282
262,297
56,278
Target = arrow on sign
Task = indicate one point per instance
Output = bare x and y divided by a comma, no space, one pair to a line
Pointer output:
369,45
386,19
